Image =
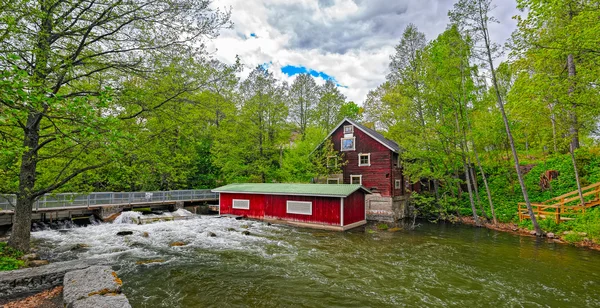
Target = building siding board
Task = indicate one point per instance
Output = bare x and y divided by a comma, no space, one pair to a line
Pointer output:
378,175
325,210
397,174
257,209
354,208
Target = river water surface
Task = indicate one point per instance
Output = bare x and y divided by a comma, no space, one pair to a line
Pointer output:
279,266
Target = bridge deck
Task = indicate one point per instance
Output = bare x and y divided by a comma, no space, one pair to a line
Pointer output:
95,207
96,200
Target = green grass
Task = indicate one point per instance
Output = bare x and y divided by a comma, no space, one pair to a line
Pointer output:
9,258
588,223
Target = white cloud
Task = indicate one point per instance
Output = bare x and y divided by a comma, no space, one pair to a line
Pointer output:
350,40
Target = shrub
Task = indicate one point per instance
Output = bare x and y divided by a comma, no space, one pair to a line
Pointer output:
9,264
9,258
382,226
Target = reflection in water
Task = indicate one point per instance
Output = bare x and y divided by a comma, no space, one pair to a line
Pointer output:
278,266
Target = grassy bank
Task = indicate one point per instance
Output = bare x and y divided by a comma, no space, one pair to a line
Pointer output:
506,193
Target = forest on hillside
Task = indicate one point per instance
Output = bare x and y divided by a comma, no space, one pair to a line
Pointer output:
124,97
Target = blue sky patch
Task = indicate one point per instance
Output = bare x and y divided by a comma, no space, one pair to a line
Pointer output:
292,70
253,34
266,65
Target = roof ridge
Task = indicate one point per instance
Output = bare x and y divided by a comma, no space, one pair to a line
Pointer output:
393,145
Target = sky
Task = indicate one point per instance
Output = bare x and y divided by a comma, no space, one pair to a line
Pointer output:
347,41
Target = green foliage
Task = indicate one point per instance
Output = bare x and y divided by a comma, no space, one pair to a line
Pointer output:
382,226
588,223
9,258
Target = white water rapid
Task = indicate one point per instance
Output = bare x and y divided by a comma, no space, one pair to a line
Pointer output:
165,240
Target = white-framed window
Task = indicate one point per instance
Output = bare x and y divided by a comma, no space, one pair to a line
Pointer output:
333,181
240,204
397,184
364,159
356,179
348,129
348,144
331,161
299,207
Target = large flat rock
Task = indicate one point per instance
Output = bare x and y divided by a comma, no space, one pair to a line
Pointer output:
99,301
95,286
29,280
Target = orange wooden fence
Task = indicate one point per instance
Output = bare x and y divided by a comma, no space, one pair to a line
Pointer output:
564,207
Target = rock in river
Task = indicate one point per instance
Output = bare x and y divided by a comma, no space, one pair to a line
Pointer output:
123,233
36,263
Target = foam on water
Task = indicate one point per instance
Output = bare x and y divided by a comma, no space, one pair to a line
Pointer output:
153,240
132,217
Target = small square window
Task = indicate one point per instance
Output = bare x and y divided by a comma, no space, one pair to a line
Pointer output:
348,144
348,129
333,181
356,179
398,184
364,159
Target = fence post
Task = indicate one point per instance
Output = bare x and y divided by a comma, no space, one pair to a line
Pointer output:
558,215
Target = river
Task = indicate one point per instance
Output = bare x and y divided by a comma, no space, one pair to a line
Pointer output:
436,265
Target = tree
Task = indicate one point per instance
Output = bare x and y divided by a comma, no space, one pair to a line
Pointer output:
328,106
376,111
303,98
67,56
474,16
350,110
564,32
407,52
249,146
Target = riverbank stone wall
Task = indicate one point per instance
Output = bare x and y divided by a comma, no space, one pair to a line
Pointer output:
30,280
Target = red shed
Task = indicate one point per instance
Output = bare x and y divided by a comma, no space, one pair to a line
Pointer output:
325,206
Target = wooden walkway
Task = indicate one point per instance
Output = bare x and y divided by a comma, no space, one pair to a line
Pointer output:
564,207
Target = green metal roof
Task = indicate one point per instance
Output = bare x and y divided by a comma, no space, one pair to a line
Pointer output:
324,190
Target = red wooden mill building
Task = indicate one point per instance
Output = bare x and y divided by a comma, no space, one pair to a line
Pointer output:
324,206
373,162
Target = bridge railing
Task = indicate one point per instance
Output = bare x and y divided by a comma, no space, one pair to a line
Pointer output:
7,202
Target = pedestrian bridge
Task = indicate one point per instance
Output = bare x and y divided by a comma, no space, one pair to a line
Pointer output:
96,200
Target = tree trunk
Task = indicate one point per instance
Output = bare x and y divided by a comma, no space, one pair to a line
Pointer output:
476,189
572,151
466,171
573,128
487,188
553,120
21,229
484,28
